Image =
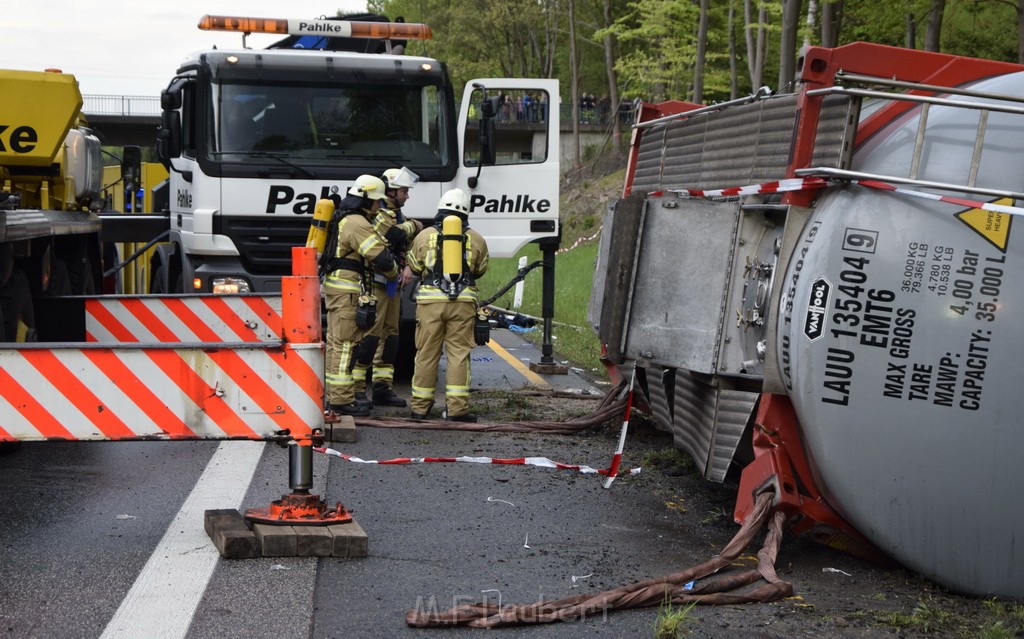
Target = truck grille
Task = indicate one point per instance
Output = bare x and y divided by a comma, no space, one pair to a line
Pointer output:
265,243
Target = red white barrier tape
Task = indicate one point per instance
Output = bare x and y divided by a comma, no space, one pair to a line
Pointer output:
613,470
780,186
579,241
800,184
542,462
959,201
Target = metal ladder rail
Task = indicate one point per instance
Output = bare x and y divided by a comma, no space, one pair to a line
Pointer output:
926,101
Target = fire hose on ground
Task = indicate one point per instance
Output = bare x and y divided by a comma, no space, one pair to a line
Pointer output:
678,587
651,592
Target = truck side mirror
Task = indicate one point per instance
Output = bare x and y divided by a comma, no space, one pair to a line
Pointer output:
168,143
488,142
131,167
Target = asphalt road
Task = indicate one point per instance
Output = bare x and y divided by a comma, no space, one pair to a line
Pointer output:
107,540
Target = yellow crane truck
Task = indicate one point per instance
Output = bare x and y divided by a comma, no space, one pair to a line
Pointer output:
50,182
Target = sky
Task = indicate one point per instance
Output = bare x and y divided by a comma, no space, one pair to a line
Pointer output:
132,47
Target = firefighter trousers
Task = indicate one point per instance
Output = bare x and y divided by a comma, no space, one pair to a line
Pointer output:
447,325
374,348
342,337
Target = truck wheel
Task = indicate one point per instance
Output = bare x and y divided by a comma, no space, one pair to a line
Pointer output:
159,277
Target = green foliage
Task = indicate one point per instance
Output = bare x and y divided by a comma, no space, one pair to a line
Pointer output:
656,44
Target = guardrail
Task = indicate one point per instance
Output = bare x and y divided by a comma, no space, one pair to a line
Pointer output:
124,105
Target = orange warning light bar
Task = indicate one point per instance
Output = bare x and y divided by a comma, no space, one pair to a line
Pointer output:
335,28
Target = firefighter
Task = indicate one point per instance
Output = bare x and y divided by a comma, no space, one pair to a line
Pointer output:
359,253
446,305
379,346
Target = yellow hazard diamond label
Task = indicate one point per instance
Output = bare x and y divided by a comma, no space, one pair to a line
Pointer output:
993,226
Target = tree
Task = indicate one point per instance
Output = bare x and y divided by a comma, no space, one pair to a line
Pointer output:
755,52
787,43
575,88
831,22
934,33
659,54
608,42
702,41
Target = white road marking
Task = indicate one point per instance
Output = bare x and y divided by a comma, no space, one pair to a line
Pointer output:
165,595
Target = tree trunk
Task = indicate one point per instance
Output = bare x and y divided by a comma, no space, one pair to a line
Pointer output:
911,42
831,21
613,79
755,46
812,18
787,43
933,35
702,38
748,36
733,80
762,47
577,161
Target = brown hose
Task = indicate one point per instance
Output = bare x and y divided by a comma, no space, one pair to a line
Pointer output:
650,592
611,407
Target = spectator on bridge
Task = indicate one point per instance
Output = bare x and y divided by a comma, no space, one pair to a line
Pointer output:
604,107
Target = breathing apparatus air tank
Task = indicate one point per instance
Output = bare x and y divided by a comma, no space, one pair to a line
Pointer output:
317,236
451,248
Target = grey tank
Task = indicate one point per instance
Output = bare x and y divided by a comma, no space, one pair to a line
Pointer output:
900,343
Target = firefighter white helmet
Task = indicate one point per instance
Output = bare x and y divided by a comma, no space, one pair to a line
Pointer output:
369,187
401,178
455,200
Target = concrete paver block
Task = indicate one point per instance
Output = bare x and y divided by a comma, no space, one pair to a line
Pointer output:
343,430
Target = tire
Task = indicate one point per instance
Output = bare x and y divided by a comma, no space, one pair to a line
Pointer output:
157,287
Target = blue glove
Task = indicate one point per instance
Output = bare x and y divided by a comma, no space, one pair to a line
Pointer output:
391,287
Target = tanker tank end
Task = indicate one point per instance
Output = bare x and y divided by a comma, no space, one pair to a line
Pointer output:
881,304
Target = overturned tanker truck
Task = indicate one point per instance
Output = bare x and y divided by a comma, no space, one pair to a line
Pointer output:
817,290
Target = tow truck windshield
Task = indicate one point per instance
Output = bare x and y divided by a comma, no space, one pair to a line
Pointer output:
329,125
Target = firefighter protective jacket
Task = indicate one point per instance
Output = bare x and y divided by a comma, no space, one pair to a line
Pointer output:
359,245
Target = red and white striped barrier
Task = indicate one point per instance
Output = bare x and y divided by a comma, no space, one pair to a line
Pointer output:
244,318
153,391
779,186
801,184
613,470
541,462
959,201
579,241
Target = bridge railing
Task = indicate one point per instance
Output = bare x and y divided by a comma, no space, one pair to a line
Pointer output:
124,105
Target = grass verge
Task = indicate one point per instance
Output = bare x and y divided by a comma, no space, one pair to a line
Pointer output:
572,337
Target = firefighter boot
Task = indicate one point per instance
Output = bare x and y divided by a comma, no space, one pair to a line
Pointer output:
354,409
362,399
384,395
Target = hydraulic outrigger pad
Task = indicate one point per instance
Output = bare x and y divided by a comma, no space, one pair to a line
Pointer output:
299,507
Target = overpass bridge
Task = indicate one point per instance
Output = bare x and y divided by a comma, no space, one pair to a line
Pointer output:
123,119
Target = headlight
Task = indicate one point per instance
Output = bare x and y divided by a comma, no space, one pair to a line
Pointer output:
226,285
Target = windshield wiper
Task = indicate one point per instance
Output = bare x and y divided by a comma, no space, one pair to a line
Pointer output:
280,158
267,154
